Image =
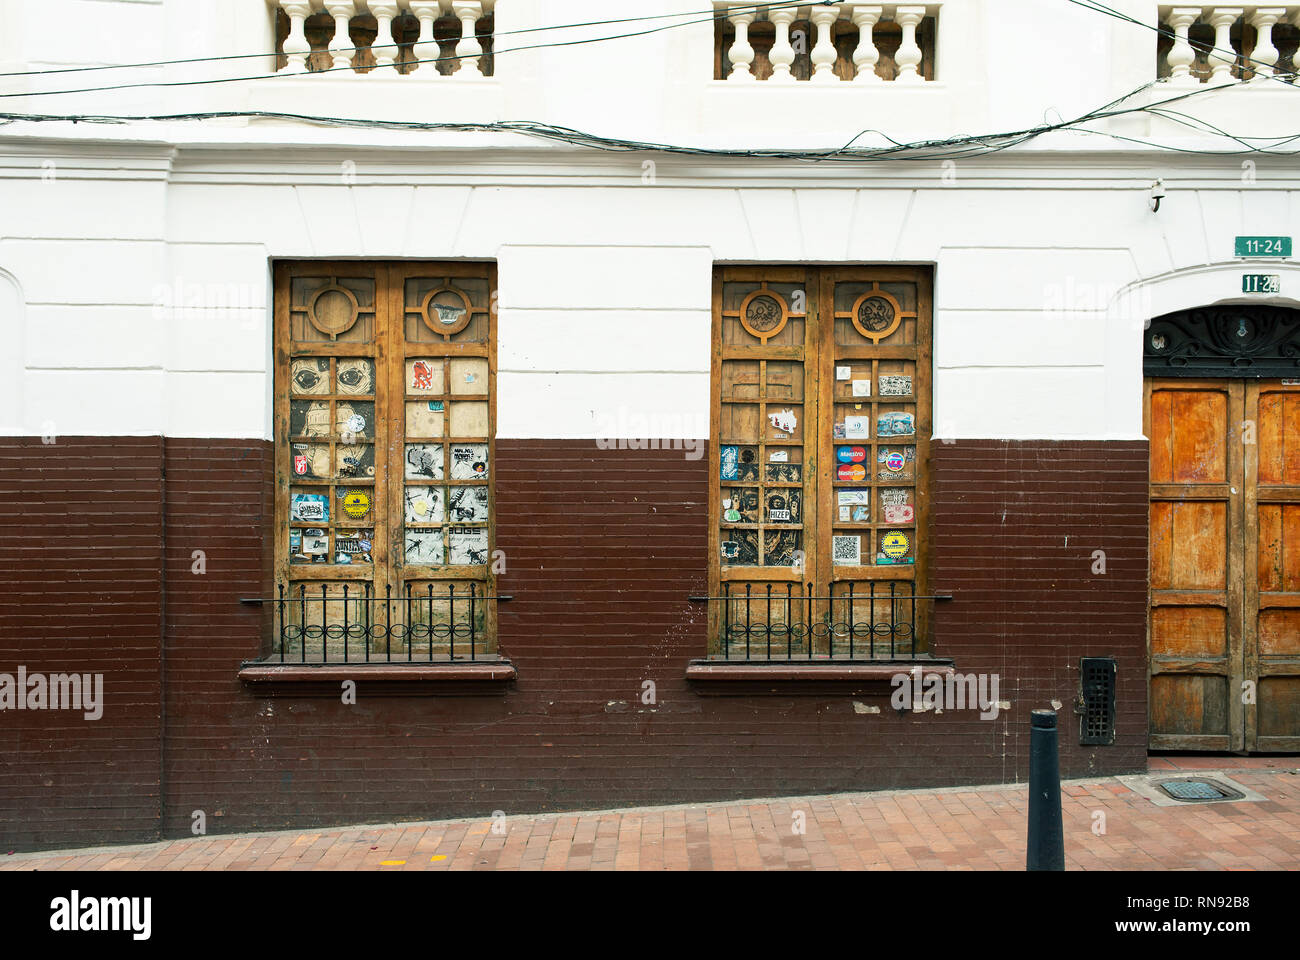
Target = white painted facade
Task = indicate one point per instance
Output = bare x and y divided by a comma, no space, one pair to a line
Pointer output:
135,257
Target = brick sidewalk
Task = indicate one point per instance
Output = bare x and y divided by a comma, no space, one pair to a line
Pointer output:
976,828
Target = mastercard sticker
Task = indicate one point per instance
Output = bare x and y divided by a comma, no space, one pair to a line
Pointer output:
851,471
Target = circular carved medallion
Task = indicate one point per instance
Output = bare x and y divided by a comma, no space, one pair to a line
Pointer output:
446,311
333,310
876,315
764,314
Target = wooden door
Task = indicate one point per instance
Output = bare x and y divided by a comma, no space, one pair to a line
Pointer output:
1195,647
1272,601
1224,625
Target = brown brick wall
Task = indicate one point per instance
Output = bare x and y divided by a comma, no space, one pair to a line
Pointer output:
80,545
603,547
1016,525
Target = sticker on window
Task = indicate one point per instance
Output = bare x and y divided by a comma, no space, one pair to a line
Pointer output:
730,463
784,420
846,551
424,505
857,428
895,425
424,461
468,546
309,508
469,462
468,505
424,547
895,546
895,386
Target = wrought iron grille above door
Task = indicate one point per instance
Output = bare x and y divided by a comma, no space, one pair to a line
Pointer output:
1232,340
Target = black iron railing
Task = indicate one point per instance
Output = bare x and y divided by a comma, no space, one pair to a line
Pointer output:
870,620
347,623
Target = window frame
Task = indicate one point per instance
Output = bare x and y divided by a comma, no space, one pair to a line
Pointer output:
390,349
820,354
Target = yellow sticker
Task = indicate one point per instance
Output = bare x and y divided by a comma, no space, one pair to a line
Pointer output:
356,504
437,856
391,863
894,545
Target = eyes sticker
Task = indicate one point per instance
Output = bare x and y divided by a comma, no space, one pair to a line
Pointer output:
310,376
356,377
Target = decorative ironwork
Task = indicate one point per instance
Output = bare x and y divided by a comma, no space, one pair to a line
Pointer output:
354,626
872,620
1232,340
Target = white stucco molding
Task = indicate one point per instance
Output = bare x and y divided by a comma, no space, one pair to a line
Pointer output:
1130,313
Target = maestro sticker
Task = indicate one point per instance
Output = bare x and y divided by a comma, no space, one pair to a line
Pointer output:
851,471
894,545
851,454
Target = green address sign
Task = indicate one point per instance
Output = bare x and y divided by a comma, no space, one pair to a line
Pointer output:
1262,247
1261,283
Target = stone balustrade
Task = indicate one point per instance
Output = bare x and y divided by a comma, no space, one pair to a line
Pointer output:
1220,44
825,43
424,38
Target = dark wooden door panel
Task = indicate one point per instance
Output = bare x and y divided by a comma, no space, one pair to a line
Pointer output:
1195,548
1272,601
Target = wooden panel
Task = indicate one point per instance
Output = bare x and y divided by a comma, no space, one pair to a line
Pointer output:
1160,433
1188,705
1187,440
1279,633
1279,707
1279,438
1279,548
1189,631
1189,546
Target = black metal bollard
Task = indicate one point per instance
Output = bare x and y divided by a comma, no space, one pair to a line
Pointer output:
1046,842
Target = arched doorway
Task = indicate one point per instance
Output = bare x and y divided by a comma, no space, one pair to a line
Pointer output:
1222,412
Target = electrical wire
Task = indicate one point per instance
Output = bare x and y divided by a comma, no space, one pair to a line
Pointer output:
963,147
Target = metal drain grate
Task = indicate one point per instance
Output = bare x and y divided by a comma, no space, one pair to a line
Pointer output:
1198,790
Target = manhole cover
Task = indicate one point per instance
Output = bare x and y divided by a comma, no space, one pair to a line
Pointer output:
1202,790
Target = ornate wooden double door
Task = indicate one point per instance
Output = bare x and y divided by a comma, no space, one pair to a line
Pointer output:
1224,618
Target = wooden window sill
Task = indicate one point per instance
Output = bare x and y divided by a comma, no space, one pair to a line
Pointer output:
460,679
784,678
